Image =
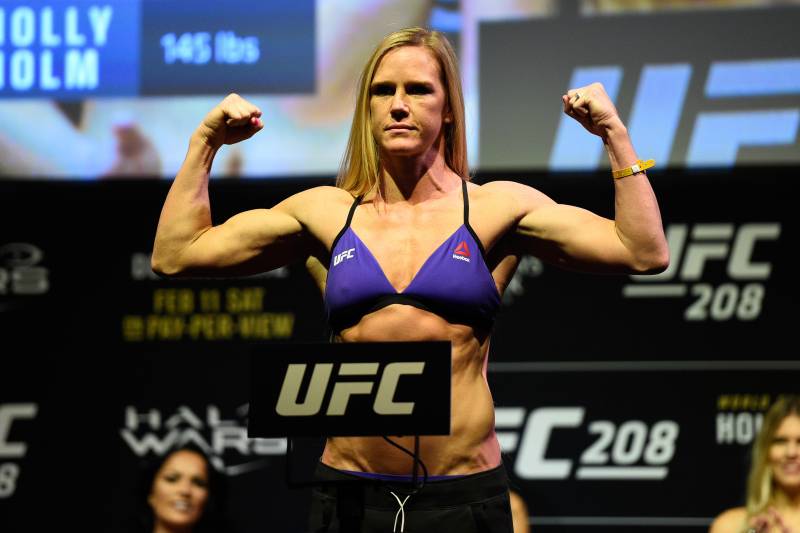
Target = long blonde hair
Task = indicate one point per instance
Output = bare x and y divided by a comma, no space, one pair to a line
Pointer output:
760,486
360,169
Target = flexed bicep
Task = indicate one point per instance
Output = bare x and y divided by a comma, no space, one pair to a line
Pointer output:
248,243
575,239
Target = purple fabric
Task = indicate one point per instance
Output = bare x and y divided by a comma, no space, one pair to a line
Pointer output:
454,282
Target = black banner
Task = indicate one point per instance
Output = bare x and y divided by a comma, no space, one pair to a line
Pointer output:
621,401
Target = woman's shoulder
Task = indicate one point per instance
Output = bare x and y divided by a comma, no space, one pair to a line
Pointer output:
504,189
730,521
508,197
316,198
326,193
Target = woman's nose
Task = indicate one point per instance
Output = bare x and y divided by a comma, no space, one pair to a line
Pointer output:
399,104
793,448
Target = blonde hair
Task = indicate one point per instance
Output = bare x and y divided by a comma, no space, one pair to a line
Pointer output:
360,169
760,486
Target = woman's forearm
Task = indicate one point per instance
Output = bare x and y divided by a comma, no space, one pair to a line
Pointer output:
186,213
636,214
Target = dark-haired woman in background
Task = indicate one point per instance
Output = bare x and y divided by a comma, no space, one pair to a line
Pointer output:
180,492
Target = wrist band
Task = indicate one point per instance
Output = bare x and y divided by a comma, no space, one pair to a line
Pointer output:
640,166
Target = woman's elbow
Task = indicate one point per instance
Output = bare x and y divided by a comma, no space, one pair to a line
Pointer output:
654,262
164,266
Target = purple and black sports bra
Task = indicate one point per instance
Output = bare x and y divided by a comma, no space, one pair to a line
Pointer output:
454,282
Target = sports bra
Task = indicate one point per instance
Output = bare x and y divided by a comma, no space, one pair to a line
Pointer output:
454,282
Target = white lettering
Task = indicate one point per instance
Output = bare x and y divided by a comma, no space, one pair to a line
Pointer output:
133,419
48,38
73,35
233,438
8,413
269,446
347,254
47,81
150,442
531,461
30,280
739,428
461,258
82,70
23,24
744,428
342,391
100,20
214,419
725,432
184,415
384,400
22,70
740,265
698,254
287,400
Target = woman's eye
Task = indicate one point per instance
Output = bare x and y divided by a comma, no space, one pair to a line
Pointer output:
199,482
419,88
382,90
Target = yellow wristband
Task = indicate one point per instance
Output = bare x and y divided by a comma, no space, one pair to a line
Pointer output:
640,166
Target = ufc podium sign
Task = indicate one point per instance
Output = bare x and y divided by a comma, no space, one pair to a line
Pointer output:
350,389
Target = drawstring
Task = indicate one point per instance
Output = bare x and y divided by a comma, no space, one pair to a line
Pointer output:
400,512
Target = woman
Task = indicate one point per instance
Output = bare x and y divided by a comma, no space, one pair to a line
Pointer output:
420,254
773,486
180,493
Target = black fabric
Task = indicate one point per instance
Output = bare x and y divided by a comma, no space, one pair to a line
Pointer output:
344,503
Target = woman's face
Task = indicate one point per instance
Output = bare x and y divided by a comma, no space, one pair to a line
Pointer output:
407,102
784,454
180,490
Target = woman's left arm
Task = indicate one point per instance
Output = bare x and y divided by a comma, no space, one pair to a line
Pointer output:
575,238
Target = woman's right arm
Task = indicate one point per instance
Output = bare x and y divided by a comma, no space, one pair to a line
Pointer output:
187,243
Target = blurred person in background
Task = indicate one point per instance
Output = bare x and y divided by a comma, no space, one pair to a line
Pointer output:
180,492
773,485
519,513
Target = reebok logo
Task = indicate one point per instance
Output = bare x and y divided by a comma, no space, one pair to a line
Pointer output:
461,252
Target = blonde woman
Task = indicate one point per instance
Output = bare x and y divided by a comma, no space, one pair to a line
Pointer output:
405,248
773,486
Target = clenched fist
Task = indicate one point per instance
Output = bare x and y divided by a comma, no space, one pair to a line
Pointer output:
592,108
232,120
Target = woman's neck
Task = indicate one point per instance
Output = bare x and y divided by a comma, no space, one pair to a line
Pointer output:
784,499
413,180
161,527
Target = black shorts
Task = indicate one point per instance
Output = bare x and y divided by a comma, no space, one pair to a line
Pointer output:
344,503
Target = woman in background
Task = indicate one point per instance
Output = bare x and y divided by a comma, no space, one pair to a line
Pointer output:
773,486
180,492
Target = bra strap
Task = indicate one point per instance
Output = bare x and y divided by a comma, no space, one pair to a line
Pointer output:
347,223
465,197
466,217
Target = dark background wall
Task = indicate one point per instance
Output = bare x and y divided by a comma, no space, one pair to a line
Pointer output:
620,400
